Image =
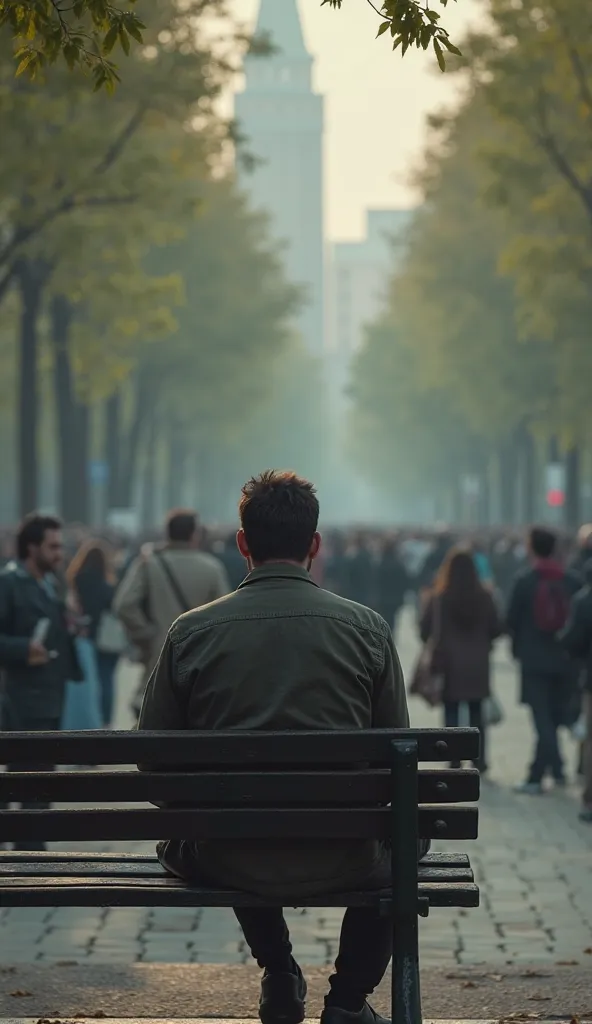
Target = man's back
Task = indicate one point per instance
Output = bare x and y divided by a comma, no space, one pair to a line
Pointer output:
280,654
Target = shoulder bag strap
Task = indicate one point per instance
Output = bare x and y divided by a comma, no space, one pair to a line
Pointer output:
184,604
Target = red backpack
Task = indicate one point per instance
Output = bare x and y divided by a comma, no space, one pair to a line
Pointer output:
551,604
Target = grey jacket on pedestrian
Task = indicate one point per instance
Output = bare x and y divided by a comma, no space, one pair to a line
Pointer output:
161,585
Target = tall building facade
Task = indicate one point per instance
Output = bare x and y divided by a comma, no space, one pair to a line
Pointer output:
282,117
359,275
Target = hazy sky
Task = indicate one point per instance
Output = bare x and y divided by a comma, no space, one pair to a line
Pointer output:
375,106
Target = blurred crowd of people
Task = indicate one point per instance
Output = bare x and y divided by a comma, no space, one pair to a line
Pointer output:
74,602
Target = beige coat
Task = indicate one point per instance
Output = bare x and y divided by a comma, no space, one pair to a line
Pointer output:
146,601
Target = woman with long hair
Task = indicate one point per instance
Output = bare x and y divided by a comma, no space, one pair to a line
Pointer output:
91,582
461,619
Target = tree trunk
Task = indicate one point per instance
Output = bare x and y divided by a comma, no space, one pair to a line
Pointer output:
149,476
176,458
507,482
112,448
72,420
31,278
573,489
529,477
145,407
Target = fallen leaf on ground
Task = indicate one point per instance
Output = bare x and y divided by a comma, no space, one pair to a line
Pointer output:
495,977
20,993
468,984
540,999
531,973
520,1016
567,963
588,951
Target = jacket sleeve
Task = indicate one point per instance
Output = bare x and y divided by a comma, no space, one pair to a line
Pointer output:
162,707
130,601
576,638
389,700
14,650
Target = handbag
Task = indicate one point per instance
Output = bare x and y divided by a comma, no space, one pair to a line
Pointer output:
111,637
427,680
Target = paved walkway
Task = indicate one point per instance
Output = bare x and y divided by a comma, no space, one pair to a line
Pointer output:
532,860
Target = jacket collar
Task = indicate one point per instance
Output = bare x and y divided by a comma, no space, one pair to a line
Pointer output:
278,571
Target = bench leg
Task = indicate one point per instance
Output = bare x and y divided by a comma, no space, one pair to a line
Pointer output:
406,993
406,997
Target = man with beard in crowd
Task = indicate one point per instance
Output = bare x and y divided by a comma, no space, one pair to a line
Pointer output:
37,652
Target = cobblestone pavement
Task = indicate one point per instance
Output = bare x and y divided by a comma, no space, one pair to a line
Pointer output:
532,860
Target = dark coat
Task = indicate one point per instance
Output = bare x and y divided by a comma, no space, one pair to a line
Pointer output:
32,693
360,577
391,585
538,652
462,650
576,638
95,596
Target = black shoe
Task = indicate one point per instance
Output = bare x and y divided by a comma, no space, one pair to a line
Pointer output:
282,998
335,1015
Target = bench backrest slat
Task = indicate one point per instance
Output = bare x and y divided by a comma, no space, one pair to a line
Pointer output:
271,823
246,749
232,789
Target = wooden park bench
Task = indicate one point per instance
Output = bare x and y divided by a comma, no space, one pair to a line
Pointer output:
243,785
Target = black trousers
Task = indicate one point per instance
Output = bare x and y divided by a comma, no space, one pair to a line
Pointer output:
30,725
451,720
365,944
547,705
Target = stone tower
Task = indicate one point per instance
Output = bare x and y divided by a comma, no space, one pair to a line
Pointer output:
282,118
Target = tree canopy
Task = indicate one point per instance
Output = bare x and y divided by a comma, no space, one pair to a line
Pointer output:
85,33
145,307
487,322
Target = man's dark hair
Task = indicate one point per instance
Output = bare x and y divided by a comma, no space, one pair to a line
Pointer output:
32,531
542,541
279,513
181,524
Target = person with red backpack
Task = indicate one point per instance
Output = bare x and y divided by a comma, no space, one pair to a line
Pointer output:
538,610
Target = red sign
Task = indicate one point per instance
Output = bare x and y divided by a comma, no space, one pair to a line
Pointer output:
556,498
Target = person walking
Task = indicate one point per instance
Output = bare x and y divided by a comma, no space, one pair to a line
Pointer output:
37,653
163,583
92,581
391,582
281,653
461,620
538,609
576,638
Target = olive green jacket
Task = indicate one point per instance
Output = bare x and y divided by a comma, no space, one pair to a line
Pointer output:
280,653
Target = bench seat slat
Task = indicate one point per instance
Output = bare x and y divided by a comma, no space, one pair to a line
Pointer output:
138,873
450,860
240,748
270,823
168,893
232,788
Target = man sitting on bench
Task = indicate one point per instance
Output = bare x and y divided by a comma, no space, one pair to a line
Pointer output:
280,653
